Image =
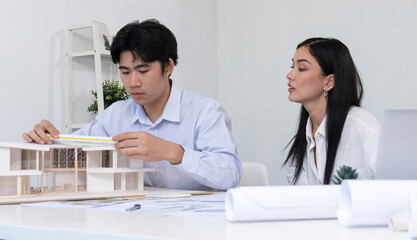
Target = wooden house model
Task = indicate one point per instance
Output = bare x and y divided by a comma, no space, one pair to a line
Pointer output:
28,169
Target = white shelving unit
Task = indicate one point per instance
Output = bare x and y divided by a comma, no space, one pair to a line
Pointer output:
97,54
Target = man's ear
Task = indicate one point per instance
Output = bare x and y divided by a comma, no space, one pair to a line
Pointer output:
169,67
329,83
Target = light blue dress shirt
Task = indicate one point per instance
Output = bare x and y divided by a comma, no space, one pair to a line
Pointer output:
199,124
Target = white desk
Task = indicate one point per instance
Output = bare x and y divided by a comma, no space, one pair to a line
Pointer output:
21,222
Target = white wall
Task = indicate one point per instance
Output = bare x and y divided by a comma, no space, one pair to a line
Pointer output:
32,63
257,39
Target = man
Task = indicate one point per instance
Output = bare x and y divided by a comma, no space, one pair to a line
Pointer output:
185,136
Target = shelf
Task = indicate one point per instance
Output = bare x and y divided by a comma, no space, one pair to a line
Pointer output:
82,26
97,53
89,53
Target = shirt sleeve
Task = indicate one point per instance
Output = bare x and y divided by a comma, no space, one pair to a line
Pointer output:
213,161
358,148
370,147
290,173
291,169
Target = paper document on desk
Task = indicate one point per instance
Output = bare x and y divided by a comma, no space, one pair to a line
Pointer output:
373,202
94,203
197,205
282,202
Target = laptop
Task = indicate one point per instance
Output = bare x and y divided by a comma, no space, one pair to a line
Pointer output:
397,146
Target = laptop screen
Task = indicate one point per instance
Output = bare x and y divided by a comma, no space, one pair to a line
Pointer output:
397,146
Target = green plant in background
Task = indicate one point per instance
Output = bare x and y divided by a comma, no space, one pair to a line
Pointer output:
344,172
112,92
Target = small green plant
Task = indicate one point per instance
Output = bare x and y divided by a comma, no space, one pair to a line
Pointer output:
344,172
112,92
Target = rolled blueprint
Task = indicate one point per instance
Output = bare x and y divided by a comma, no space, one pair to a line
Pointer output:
399,221
373,202
282,203
412,221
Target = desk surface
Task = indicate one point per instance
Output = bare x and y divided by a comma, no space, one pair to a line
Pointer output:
22,222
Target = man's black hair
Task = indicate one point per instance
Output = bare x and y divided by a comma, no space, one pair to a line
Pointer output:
149,40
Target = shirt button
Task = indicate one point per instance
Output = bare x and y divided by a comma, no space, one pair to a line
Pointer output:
189,167
155,173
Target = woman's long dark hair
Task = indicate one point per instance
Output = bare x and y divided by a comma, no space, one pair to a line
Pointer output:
334,58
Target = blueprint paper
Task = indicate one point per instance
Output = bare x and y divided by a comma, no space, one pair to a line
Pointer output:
399,222
282,203
373,202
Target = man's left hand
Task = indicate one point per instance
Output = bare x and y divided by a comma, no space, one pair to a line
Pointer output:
145,146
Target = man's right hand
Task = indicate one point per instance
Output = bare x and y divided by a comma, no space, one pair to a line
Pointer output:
38,134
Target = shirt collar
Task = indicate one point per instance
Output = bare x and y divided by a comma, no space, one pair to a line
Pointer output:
171,110
321,130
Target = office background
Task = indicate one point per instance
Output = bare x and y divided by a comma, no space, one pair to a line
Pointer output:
235,51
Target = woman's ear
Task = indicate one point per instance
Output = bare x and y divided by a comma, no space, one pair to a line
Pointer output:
329,83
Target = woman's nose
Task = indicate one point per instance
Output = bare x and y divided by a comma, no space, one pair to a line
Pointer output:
289,75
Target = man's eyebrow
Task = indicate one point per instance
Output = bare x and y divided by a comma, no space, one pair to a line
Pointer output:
136,67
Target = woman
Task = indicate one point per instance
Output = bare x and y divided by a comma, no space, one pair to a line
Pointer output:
333,130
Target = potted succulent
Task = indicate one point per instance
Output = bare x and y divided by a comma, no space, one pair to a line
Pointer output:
344,172
112,92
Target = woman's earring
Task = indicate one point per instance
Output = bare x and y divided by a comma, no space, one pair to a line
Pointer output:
325,94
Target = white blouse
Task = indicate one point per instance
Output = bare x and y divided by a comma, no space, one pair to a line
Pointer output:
357,148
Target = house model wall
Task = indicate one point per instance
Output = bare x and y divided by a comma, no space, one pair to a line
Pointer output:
32,169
